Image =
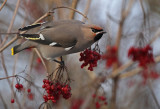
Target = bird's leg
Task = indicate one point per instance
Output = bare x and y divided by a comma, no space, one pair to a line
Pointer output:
60,62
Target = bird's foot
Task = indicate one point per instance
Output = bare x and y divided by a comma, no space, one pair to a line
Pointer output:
60,62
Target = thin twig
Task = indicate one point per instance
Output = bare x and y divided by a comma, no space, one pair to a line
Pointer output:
39,55
86,9
120,69
8,77
74,5
3,101
3,4
71,9
123,17
60,11
157,34
144,15
114,92
131,73
154,96
11,24
9,43
42,17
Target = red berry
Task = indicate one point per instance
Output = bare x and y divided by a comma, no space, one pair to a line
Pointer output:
43,86
21,86
39,60
29,90
44,81
54,101
30,96
102,98
17,86
94,95
52,97
47,81
12,100
52,87
98,105
44,96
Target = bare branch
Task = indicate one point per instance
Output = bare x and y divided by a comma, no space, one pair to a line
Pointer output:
86,9
12,22
3,4
70,9
154,96
74,5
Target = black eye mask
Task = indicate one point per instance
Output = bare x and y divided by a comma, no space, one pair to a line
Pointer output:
95,30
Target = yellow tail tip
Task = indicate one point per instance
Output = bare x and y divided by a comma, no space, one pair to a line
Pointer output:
12,51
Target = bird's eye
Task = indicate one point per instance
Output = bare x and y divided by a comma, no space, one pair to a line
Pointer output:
94,30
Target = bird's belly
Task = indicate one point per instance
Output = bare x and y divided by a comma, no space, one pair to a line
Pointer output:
52,52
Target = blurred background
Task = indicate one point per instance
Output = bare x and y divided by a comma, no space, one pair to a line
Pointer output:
139,27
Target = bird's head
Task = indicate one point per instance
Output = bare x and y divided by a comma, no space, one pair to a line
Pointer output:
94,32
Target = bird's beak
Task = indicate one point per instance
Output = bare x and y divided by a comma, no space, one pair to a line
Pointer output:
101,32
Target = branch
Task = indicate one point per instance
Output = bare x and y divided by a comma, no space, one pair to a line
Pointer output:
9,43
3,4
86,9
74,5
154,96
8,77
70,9
39,55
123,17
155,36
3,101
11,24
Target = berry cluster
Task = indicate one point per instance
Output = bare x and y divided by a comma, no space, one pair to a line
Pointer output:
89,57
54,90
30,94
110,56
143,55
101,101
19,87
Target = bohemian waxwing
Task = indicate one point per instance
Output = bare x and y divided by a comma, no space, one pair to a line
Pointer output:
58,38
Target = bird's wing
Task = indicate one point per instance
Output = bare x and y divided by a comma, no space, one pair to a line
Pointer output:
60,36
50,24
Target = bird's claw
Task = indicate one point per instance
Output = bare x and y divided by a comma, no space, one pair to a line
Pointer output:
61,63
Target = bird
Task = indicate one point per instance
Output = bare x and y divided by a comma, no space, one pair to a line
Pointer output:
59,38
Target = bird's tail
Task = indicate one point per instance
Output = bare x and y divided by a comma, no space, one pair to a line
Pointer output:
23,46
15,49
